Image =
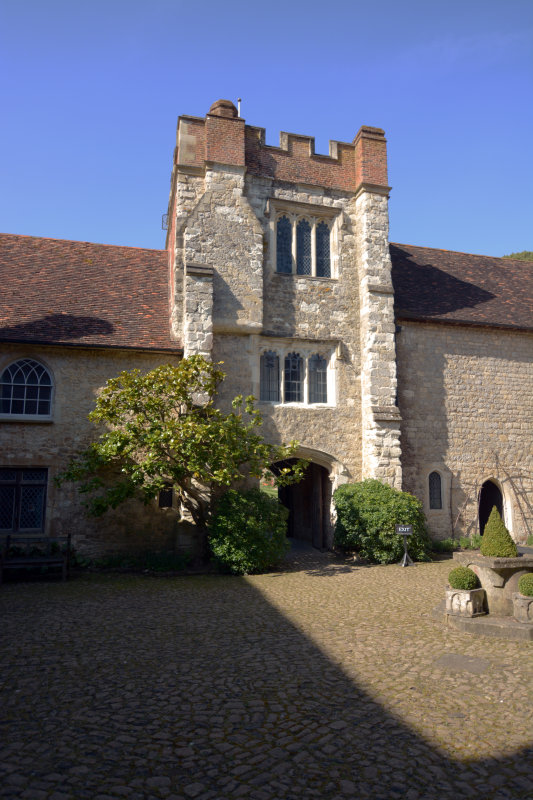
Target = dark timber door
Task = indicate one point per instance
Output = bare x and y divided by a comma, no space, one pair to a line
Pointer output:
308,503
489,496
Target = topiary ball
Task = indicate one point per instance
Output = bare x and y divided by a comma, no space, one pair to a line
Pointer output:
497,541
525,584
463,578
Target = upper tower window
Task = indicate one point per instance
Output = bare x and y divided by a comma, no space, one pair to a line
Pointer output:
26,389
303,243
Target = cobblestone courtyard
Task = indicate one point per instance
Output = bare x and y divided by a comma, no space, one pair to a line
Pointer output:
326,680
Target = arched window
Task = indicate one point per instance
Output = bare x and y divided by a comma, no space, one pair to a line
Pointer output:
26,388
284,245
293,384
318,379
304,261
435,490
269,378
323,268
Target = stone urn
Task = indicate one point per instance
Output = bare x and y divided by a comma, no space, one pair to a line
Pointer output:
522,607
465,602
498,576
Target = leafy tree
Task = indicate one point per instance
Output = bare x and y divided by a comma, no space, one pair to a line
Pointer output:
163,429
523,255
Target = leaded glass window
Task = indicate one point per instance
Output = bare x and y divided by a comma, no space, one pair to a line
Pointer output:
26,388
284,245
435,490
22,499
293,390
323,268
269,378
304,260
318,379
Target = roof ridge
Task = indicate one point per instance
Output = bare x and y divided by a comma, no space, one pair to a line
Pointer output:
459,252
83,241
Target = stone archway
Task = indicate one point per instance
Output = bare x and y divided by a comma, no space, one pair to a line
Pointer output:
490,495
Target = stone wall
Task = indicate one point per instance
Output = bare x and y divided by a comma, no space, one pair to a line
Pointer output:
78,374
465,400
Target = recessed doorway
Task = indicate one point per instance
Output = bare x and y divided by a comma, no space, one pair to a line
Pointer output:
489,496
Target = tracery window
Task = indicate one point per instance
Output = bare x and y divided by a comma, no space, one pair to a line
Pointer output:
318,379
293,385
269,381
303,246
26,389
303,379
435,490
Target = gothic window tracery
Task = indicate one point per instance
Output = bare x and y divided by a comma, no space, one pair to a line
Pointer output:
269,376
294,377
318,383
303,245
26,389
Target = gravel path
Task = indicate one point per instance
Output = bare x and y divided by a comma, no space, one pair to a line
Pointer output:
326,680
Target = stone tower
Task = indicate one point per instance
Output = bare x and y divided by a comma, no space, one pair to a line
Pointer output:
280,268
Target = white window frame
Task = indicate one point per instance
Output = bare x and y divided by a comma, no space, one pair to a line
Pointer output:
6,417
313,215
306,350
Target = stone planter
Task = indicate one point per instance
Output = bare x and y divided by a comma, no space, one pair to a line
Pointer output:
522,607
498,576
465,602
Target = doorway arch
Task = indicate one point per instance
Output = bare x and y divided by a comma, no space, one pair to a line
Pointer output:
309,503
490,495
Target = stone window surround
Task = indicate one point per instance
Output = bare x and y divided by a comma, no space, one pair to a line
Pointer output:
445,481
314,214
19,486
305,350
46,418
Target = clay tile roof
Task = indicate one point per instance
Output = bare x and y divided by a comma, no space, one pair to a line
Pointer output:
77,293
459,288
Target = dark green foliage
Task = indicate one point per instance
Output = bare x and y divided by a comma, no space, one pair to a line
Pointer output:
497,541
525,584
444,545
463,578
248,532
523,255
366,515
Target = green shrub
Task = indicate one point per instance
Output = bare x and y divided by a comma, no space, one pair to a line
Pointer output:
444,545
248,532
497,541
463,578
366,515
470,542
529,541
525,584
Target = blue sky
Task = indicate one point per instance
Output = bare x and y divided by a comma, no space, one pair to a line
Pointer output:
91,91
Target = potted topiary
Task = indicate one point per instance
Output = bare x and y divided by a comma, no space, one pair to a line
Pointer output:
464,596
497,541
498,565
523,599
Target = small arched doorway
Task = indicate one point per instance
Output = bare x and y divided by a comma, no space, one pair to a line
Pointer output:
490,495
309,504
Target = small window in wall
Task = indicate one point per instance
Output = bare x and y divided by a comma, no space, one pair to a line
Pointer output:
435,490
284,245
22,499
293,378
303,246
318,379
269,378
26,389
166,497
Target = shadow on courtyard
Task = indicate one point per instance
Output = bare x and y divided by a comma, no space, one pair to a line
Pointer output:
148,688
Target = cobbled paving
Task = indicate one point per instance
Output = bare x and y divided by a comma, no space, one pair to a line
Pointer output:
324,680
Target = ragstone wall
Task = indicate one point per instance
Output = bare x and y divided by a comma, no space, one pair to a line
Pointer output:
78,374
465,397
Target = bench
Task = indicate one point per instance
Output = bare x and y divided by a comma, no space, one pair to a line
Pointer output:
25,552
